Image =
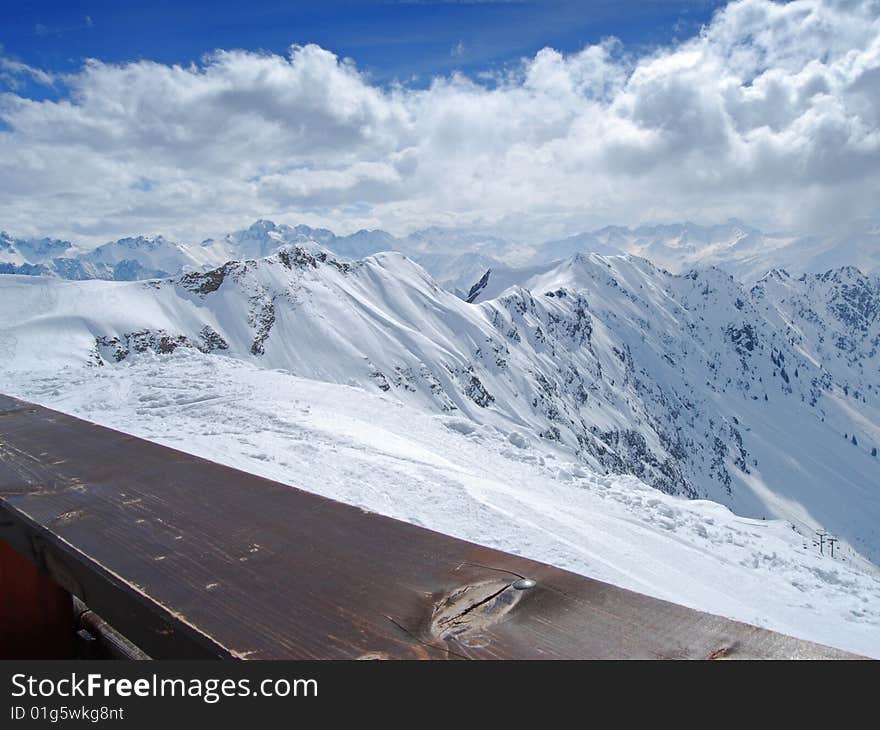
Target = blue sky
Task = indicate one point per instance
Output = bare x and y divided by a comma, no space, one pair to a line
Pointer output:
408,40
760,110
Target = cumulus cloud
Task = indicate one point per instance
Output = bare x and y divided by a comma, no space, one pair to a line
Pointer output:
771,113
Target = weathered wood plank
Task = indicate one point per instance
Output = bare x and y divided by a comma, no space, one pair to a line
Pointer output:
188,558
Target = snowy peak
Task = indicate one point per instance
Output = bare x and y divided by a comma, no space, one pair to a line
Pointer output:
688,232
458,258
150,257
740,249
39,250
575,273
136,243
144,257
260,239
127,259
17,251
264,237
692,383
454,258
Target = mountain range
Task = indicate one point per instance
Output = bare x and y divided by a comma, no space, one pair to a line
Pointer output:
458,259
765,398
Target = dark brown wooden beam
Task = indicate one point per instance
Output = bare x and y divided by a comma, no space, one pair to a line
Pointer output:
188,558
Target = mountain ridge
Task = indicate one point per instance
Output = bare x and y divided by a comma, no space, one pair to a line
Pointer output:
692,383
457,259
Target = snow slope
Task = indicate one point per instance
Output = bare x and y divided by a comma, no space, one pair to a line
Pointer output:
484,483
775,380
690,383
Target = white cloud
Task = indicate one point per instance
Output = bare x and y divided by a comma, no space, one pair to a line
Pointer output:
771,113
13,73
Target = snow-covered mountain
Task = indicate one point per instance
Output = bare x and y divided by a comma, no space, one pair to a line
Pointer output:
452,258
742,250
20,251
263,238
763,399
457,259
142,257
128,259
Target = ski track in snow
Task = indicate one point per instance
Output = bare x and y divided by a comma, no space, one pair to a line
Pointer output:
476,482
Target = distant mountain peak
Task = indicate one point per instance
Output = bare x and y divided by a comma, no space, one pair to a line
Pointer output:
457,257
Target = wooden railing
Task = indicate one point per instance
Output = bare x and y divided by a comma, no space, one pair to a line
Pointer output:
188,558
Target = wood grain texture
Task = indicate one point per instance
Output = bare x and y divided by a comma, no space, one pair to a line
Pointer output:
188,558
